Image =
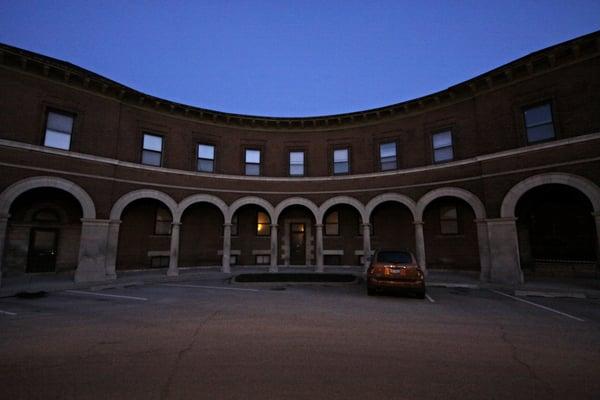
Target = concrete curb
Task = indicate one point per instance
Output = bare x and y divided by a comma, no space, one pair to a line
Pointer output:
549,294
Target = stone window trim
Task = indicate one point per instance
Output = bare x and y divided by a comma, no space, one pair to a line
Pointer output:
197,157
525,127
332,152
145,133
452,145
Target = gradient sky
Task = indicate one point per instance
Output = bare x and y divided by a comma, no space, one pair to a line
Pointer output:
292,58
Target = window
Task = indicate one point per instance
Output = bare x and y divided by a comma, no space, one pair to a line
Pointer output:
296,163
442,146
341,165
332,259
262,260
332,224
252,162
159,262
448,220
234,225
206,158
58,130
152,150
263,224
387,156
233,259
162,223
538,123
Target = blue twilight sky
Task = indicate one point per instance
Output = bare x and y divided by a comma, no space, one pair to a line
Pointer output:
292,58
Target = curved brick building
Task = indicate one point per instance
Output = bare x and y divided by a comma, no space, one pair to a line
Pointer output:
497,175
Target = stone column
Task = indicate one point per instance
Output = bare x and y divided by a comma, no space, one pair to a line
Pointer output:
484,249
505,264
174,253
273,267
111,248
319,246
92,250
226,267
420,246
3,234
366,245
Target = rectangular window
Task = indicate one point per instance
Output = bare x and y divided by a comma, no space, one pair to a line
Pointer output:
234,225
442,146
263,224
162,223
233,259
538,123
332,224
252,162
206,158
341,163
387,156
58,130
296,163
152,150
448,220
159,262
262,260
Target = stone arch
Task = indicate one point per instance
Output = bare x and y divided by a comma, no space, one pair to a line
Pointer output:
470,198
293,201
200,198
393,197
16,189
587,187
239,203
358,206
128,198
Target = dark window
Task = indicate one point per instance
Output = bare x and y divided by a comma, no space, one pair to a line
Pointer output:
398,257
387,156
296,163
448,220
159,262
234,225
332,259
162,224
341,161
252,162
262,260
206,158
58,130
263,224
152,150
233,259
538,123
332,224
442,146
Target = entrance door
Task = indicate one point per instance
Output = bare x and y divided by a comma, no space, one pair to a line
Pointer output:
42,250
297,244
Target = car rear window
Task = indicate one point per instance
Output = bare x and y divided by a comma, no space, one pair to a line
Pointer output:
398,257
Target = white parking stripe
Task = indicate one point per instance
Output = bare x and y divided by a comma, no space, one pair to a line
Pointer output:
106,295
211,287
7,312
429,298
539,306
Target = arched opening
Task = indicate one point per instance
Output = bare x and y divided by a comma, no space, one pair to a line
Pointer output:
556,232
251,236
144,235
296,236
342,236
450,234
201,240
43,233
392,227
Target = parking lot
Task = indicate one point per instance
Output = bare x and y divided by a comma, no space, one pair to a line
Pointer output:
208,339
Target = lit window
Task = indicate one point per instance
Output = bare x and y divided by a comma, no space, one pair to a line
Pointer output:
206,158
234,225
387,156
448,220
263,260
263,224
162,224
152,150
332,224
296,163
58,130
538,122
252,162
341,165
442,147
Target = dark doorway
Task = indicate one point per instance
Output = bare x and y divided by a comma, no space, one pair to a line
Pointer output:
42,250
297,244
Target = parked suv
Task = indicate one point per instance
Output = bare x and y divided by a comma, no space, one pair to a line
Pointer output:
395,269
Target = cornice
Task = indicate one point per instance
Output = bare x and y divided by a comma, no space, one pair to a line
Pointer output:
527,67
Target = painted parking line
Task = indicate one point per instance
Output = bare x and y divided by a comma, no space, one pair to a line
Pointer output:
210,287
539,306
7,313
429,298
106,295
